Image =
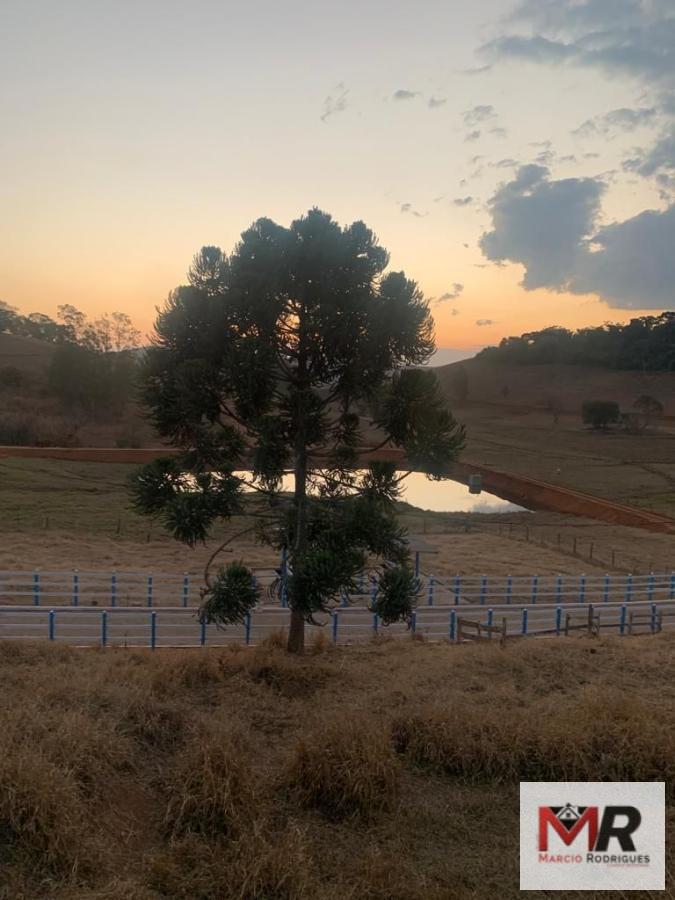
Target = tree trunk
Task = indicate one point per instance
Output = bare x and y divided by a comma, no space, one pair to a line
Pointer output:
296,633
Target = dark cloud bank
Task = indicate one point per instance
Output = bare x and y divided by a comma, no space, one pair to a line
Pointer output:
550,227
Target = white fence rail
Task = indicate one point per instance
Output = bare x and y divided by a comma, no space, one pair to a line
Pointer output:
179,626
142,589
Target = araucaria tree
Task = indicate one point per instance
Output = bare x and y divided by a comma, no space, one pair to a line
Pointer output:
296,354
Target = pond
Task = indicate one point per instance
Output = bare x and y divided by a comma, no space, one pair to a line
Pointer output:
442,496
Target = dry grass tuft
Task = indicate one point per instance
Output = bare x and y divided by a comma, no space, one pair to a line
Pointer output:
210,786
276,865
42,817
158,724
596,736
345,767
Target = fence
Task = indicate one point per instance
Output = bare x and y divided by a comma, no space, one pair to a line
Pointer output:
179,627
135,589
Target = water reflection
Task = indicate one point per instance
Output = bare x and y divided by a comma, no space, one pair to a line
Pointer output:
442,496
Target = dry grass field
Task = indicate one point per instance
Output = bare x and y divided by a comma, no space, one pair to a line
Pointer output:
384,772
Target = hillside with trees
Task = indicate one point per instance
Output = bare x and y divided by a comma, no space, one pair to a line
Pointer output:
68,380
646,343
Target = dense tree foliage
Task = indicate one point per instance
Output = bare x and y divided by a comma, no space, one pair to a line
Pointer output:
263,361
646,343
600,413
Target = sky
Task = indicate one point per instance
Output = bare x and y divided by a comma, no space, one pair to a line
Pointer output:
517,159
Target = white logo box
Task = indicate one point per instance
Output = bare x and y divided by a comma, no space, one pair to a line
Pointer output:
584,825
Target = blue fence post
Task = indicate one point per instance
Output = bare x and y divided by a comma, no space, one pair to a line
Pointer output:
582,588
629,588
334,616
362,583
524,622
452,633
654,617
76,588
104,628
186,588
373,591
605,592
202,632
535,588
489,618
284,595
36,588
417,564
113,589
671,593
247,628
622,622
153,629
345,598
430,596
558,619
413,621
375,623
458,589
149,590
483,588
558,588
509,589
52,624
650,587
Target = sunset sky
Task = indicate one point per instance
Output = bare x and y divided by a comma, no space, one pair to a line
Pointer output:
517,159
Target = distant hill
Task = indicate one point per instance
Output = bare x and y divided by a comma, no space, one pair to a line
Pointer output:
28,355
445,355
569,385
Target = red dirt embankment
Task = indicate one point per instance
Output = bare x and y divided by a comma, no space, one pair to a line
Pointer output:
527,492
535,494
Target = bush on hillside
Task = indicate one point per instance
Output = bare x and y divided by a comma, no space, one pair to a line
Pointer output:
599,414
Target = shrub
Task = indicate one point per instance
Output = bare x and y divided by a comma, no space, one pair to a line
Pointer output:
345,768
210,786
600,413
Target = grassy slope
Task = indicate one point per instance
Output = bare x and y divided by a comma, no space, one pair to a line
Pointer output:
387,772
532,386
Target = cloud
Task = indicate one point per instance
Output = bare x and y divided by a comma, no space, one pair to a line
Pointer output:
454,312
478,114
462,201
435,102
483,322
633,264
402,94
499,132
452,294
334,104
408,208
472,136
657,158
550,227
542,224
632,37
616,121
